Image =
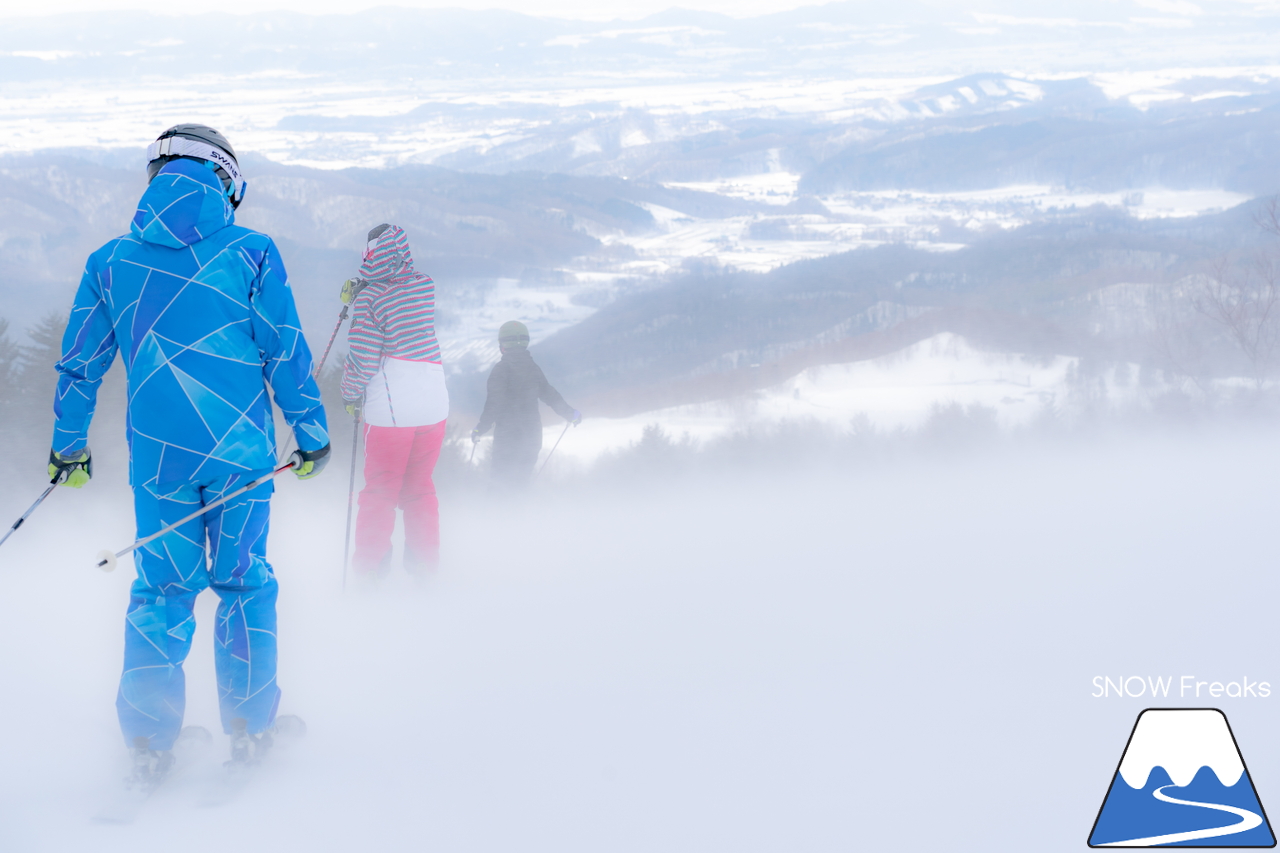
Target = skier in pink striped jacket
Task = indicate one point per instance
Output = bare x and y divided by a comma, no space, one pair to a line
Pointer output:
393,371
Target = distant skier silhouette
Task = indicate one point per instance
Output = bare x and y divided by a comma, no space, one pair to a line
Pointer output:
515,386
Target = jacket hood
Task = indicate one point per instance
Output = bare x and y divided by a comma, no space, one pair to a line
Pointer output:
387,257
183,205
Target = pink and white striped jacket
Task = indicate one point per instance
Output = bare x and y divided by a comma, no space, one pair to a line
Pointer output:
393,358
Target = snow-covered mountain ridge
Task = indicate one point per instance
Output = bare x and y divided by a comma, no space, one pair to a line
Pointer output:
899,390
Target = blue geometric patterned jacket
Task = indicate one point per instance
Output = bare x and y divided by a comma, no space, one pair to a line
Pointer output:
201,313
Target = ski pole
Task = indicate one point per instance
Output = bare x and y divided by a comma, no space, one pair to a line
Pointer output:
554,446
53,484
351,495
341,319
107,560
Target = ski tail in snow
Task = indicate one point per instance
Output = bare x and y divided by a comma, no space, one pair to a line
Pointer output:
248,752
150,769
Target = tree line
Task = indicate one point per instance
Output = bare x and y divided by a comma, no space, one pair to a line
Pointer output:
27,377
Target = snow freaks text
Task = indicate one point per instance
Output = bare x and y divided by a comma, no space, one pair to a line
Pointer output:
1183,687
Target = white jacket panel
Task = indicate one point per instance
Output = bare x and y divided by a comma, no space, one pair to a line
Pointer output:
406,394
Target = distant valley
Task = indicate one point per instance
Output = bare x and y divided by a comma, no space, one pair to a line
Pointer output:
685,229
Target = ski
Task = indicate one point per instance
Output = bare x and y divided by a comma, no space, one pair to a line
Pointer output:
152,770
248,752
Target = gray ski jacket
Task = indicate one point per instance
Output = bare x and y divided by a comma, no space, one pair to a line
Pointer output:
516,384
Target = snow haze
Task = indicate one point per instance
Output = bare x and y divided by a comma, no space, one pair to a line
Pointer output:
749,664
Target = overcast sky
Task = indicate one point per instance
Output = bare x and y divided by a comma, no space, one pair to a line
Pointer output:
613,9
590,9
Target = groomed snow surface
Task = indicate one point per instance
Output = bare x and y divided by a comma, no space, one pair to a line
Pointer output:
854,658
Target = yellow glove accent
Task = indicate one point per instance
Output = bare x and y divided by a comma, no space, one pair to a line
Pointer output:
77,468
350,288
308,464
75,480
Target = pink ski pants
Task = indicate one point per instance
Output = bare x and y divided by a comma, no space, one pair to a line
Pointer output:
398,465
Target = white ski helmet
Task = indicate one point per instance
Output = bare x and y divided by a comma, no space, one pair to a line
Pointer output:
203,143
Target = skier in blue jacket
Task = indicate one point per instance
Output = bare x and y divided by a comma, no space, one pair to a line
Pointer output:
201,313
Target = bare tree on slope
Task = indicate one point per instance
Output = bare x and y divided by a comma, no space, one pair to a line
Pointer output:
1243,298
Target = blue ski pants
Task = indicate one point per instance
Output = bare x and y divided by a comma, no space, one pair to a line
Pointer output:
172,571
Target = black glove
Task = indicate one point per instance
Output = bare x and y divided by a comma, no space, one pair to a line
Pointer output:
308,463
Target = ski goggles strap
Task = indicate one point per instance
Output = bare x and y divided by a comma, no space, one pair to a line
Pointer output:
181,146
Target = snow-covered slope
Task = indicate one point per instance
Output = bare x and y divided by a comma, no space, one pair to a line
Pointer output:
756,666
899,390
